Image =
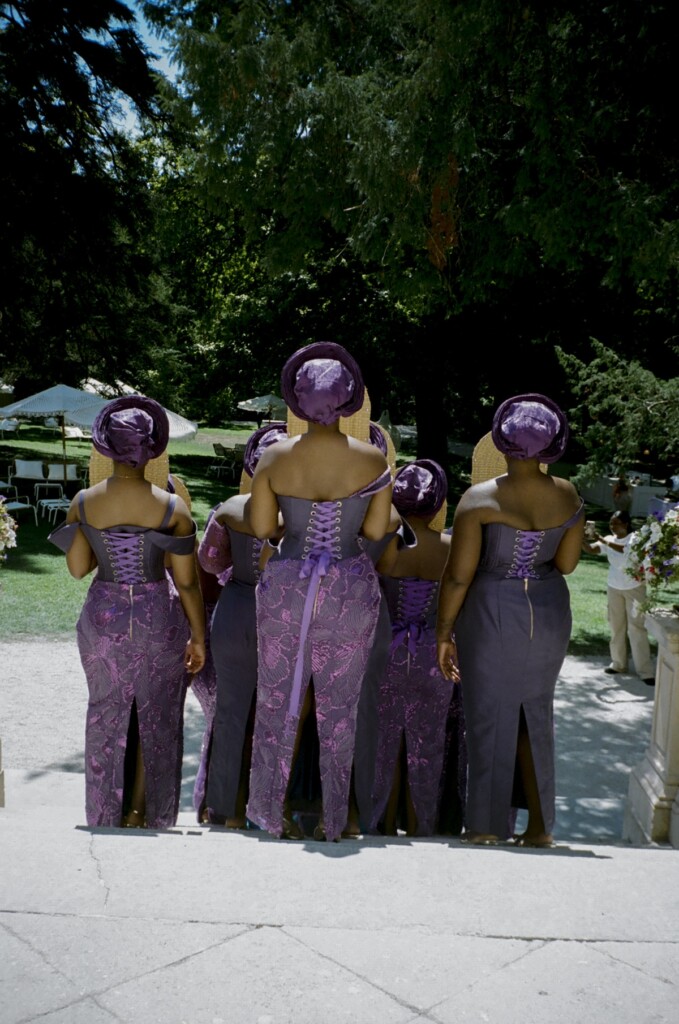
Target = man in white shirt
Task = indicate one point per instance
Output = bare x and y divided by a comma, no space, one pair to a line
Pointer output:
624,595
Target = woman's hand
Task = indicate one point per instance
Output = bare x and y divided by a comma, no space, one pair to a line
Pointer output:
447,659
194,656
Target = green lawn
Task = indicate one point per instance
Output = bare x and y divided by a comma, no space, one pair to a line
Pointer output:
39,597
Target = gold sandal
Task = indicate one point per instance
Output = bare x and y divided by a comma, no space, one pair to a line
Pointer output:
140,823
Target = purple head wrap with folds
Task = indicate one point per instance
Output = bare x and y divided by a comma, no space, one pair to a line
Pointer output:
377,438
530,426
322,382
259,441
132,430
420,488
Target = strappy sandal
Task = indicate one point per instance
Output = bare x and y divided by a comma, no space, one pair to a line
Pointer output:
478,839
292,829
528,843
139,821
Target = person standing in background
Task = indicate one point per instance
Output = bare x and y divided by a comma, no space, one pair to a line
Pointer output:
624,597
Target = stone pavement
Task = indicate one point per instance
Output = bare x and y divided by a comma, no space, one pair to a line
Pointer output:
100,926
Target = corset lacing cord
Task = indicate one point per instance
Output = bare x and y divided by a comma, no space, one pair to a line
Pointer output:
126,554
414,599
322,547
526,548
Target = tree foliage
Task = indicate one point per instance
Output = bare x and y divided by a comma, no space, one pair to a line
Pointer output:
624,415
492,166
75,284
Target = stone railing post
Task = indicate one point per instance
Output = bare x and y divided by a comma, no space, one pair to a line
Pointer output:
652,808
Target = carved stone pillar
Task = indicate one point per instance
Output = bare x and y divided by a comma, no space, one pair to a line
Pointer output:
2,779
652,809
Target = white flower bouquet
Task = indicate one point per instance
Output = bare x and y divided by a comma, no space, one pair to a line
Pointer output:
8,531
654,554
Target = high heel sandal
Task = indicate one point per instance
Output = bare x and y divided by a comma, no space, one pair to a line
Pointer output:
139,821
292,829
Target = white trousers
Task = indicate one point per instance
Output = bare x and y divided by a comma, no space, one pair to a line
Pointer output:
625,623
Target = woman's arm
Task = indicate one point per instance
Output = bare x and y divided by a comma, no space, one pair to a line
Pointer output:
263,505
80,557
569,550
461,565
185,575
378,515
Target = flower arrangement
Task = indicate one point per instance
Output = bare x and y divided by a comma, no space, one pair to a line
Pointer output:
8,531
654,554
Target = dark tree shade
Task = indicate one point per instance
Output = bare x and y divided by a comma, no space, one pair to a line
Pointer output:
73,188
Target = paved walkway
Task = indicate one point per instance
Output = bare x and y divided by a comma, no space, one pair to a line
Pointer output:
101,926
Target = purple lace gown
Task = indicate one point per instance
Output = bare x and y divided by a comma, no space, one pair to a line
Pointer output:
317,607
233,638
512,635
204,686
132,637
414,701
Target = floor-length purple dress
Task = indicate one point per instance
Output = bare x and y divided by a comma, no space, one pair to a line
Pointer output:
318,601
132,638
204,686
414,700
512,634
233,640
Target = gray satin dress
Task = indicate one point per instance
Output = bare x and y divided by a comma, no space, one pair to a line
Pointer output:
233,640
512,635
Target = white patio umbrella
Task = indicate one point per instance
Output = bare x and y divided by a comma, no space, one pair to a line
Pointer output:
60,401
269,406
181,429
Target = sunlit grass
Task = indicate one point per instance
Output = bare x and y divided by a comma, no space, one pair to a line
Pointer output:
38,597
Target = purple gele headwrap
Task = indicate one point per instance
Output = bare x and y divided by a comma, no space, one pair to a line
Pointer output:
530,426
420,488
259,441
132,430
322,382
377,438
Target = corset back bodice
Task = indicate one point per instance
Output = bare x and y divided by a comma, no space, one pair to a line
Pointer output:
133,554
245,552
412,608
509,553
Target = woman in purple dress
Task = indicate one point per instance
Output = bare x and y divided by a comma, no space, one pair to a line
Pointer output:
415,696
231,553
136,643
504,596
318,597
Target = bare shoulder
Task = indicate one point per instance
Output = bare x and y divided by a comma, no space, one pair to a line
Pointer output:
568,490
368,451
479,497
233,511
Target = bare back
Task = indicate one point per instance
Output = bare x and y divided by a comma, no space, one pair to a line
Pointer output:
322,467
425,561
524,502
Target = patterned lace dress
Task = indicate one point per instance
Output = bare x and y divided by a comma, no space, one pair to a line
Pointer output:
318,602
132,637
414,701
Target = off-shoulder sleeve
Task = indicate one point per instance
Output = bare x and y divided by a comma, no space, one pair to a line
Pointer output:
175,545
406,535
576,515
64,536
214,550
382,481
